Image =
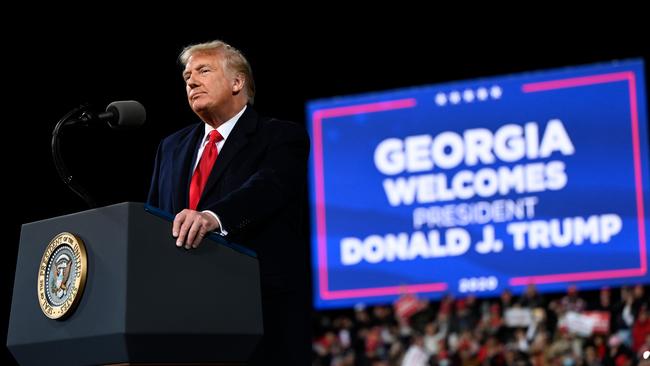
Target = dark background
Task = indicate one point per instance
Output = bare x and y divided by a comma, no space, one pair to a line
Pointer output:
86,61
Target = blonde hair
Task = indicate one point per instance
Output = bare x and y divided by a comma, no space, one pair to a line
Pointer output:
233,61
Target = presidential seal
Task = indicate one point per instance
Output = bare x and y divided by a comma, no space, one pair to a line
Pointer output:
62,275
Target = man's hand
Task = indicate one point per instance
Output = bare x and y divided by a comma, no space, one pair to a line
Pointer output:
190,227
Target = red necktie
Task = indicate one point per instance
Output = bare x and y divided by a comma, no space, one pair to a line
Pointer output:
202,171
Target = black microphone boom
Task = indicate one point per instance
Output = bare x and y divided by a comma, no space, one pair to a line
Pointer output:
120,115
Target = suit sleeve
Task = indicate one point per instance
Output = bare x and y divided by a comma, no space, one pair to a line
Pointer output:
281,177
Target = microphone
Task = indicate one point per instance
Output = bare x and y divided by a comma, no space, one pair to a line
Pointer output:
123,114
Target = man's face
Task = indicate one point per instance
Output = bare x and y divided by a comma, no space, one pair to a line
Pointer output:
209,87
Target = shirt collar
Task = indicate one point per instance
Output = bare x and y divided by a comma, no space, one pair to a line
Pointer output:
225,127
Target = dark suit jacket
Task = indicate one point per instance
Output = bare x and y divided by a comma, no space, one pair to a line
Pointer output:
256,187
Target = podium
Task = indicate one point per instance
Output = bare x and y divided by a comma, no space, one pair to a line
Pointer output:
145,301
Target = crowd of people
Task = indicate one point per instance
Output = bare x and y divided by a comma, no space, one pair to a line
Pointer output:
610,327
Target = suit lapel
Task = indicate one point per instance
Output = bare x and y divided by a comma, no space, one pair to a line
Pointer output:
246,125
183,161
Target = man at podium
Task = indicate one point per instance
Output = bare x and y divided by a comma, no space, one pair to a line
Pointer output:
243,176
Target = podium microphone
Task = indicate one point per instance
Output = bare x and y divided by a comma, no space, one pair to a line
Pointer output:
123,114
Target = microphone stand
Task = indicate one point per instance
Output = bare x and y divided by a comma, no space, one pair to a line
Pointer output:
58,158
